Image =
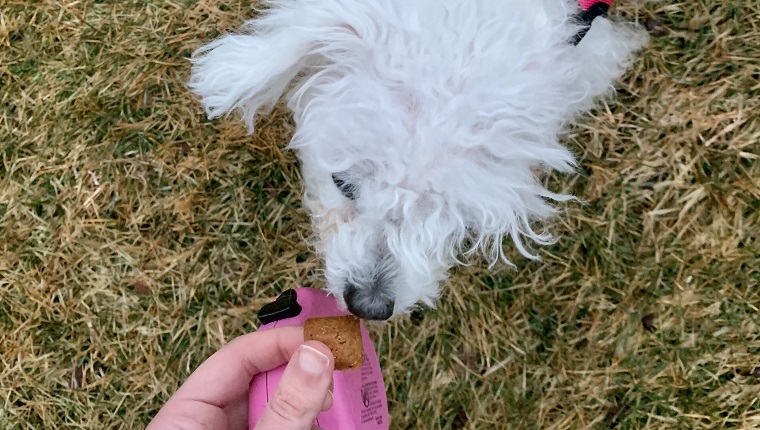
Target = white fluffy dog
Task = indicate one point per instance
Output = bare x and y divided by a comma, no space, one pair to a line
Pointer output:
423,126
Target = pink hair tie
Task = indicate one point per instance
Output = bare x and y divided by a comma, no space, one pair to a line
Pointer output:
586,4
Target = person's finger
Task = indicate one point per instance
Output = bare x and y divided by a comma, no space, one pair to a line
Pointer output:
302,390
225,376
237,413
327,404
228,373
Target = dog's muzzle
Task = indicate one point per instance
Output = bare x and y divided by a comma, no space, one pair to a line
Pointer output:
366,304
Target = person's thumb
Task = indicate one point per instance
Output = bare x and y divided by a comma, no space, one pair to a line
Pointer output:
302,391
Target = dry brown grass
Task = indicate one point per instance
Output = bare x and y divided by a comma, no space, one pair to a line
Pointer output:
138,237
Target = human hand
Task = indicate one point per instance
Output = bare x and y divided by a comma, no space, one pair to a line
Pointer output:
215,396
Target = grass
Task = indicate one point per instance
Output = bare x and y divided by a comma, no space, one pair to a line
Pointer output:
138,237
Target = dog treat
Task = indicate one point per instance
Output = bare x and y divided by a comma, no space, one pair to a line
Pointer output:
342,335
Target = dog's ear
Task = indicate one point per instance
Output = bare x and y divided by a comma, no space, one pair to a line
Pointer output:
603,56
251,70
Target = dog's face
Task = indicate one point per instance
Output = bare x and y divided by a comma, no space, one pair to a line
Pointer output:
394,235
395,247
422,127
403,183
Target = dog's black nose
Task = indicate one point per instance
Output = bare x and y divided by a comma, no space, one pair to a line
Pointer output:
369,303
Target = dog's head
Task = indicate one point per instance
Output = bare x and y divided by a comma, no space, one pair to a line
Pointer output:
421,141
397,204
402,220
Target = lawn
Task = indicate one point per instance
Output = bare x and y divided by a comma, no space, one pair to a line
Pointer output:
137,237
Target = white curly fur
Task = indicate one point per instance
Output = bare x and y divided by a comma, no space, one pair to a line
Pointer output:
441,114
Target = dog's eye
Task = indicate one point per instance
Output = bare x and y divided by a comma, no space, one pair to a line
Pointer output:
348,189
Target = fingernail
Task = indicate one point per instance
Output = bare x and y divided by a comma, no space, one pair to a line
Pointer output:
311,360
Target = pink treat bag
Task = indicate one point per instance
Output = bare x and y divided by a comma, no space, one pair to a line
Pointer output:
359,399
